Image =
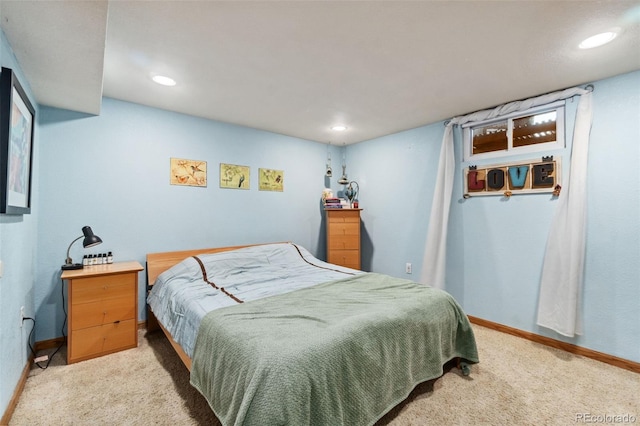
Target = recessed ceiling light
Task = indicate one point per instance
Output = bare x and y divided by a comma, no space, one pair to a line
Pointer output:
598,39
339,128
164,80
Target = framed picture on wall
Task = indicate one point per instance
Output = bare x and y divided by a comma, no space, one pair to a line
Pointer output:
233,176
17,117
188,172
271,180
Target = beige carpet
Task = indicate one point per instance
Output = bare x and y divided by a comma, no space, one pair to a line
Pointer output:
517,383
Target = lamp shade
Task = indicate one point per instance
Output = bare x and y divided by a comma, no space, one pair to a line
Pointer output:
90,239
343,180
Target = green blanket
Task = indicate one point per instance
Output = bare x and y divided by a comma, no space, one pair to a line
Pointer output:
339,353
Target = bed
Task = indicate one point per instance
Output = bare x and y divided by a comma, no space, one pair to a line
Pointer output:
273,335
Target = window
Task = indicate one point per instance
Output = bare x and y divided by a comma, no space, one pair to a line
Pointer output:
537,129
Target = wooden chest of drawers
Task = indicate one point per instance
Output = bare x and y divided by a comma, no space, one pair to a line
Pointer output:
102,309
343,237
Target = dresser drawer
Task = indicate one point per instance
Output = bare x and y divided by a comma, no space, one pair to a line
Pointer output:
342,216
344,228
344,242
102,339
95,289
103,312
348,258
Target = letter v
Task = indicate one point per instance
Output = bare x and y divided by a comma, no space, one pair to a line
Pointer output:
518,176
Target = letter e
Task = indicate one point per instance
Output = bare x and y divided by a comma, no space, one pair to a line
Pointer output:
542,175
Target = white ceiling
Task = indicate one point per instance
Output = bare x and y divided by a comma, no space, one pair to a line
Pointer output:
299,67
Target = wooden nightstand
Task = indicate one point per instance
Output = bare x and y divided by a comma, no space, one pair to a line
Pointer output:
343,237
102,309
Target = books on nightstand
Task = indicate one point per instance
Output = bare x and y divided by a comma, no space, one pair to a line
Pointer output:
332,203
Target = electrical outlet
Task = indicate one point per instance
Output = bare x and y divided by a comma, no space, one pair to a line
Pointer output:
21,315
407,268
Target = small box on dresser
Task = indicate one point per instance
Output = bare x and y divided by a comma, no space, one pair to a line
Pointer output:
103,309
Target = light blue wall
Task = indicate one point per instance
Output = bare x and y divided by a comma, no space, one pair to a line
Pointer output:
18,254
395,174
111,172
496,246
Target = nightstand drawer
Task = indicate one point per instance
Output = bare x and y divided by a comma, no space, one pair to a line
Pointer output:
103,339
104,287
103,312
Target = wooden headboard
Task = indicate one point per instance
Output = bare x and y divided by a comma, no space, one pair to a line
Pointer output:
157,263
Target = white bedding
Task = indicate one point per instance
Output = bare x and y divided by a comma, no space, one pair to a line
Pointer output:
180,298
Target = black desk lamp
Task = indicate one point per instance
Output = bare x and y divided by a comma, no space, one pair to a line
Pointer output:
90,240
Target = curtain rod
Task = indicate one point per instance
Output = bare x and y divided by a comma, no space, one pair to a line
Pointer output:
588,87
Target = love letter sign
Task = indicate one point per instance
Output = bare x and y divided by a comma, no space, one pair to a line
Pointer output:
513,178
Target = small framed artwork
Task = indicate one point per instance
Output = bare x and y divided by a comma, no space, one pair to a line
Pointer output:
17,117
188,172
271,180
233,176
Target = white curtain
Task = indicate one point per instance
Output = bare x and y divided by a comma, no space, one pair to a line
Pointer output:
561,284
433,264
560,300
